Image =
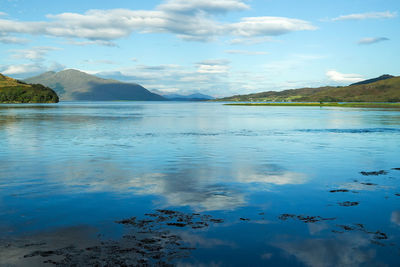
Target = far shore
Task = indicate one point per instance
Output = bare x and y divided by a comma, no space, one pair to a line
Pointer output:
317,104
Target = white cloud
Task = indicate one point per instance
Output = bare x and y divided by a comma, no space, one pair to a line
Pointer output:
245,52
367,41
212,69
13,40
158,67
30,69
213,62
2,14
188,20
343,78
107,25
55,66
370,15
166,90
251,40
196,79
100,62
21,69
34,53
163,78
270,26
213,66
95,42
211,6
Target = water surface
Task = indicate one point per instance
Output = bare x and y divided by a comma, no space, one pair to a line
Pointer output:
207,184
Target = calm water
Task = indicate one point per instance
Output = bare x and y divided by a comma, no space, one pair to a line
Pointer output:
198,184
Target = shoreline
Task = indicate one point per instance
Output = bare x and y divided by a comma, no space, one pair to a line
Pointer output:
315,104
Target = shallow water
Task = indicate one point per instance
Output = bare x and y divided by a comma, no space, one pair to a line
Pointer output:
208,184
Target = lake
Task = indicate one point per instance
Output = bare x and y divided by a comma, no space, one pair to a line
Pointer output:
198,184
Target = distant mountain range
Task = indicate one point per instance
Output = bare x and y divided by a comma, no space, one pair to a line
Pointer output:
191,97
76,85
14,91
385,88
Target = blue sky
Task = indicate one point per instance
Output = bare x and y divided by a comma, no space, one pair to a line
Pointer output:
216,47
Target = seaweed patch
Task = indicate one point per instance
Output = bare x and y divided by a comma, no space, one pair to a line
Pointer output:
374,173
376,237
349,203
339,190
149,241
303,218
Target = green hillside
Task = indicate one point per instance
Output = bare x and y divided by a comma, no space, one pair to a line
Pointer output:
77,85
13,91
386,90
380,78
274,96
381,91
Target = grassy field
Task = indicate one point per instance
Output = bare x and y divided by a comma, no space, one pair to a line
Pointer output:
314,104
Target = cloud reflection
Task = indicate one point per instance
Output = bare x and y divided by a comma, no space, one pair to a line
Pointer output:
347,251
395,218
200,188
276,178
192,187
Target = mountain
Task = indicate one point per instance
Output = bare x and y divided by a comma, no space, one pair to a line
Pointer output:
381,90
14,91
380,78
76,85
192,97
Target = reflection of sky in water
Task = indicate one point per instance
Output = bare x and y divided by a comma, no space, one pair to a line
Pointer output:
330,252
94,163
395,217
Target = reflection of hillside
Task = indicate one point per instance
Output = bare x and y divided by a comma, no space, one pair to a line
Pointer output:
27,106
31,127
9,114
5,120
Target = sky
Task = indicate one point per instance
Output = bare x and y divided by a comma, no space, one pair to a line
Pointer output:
214,47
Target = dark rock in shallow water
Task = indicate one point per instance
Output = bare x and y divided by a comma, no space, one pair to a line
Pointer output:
127,221
177,224
305,219
374,235
148,241
348,203
346,227
368,184
380,236
217,220
339,190
375,173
